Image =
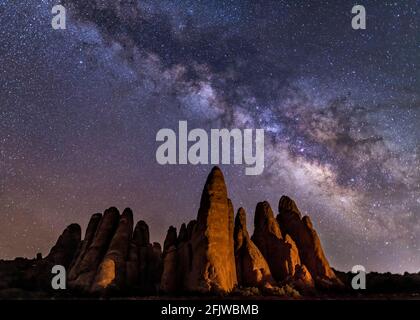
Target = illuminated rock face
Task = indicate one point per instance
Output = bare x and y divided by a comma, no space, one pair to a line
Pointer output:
212,254
106,276
307,241
202,257
112,258
281,254
251,268
75,270
84,273
112,271
302,279
213,262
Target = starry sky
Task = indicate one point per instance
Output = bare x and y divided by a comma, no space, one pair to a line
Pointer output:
80,109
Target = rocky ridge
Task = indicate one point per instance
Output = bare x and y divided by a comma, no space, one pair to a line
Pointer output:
212,254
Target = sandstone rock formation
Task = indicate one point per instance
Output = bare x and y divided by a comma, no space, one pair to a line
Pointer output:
302,279
213,262
183,234
171,239
281,254
212,254
201,258
65,248
113,258
136,269
251,268
62,253
184,255
111,273
308,243
84,245
154,268
87,268
168,282
144,262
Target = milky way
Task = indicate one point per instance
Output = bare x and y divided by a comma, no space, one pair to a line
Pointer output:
80,108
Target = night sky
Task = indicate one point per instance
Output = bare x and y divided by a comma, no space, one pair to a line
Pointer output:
80,109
